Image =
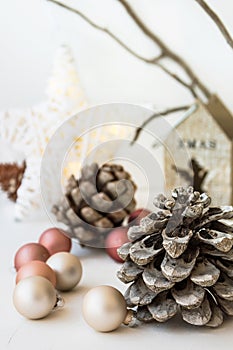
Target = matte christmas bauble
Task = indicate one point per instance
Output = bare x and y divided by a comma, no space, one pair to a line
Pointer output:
104,308
68,270
136,216
30,252
36,268
55,241
34,297
115,239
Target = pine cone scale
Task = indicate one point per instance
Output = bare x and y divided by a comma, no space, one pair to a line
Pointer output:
129,272
216,318
155,280
224,288
199,316
163,308
190,296
139,294
176,270
89,215
225,267
205,274
175,245
226,306
143,314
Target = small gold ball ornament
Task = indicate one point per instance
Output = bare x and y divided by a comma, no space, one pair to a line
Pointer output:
104,308
34,297
68,270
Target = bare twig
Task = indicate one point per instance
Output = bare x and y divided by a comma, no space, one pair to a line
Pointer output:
108,32
219,23
165,51
178,79
156,115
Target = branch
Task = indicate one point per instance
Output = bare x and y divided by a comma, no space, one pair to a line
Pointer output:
165,49
155,115
219,23
108,32
178,79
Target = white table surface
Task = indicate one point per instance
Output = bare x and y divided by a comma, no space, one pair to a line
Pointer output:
65,329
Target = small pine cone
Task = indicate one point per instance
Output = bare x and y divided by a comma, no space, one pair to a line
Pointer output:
180,258
11,176
96,202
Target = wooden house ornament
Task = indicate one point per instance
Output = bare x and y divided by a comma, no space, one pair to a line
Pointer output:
205,134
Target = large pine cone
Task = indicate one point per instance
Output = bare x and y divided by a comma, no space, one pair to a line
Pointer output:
180,258
96,202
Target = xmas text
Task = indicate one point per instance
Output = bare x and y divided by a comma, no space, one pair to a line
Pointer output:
198,144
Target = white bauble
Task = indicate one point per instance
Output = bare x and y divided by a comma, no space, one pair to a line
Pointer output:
34,297
68,270
104,308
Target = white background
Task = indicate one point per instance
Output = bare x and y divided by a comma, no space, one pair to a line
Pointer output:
30,32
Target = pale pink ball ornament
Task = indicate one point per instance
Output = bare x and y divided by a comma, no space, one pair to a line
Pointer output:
36,268
30,252
115,239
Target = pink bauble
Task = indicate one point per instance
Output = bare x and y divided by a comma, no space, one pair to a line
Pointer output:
115,239
30,252
36,268
55,240
136,216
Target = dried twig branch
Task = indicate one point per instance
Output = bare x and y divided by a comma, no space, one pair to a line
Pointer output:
177,78
106,31
156,115
165,51
219,23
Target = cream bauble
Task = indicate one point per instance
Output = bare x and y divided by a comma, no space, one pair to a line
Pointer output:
104,308
68,270
34,297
